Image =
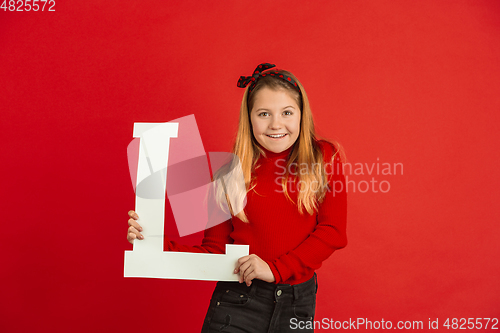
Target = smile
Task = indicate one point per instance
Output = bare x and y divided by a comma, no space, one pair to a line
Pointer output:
277,136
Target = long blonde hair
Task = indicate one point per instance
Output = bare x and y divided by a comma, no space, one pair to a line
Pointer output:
305,154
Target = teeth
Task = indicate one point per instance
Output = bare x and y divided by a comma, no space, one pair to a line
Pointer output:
276,136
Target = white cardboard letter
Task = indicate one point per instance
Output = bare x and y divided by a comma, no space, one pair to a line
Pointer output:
148,258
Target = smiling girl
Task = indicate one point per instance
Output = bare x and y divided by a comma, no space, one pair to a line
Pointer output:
292,221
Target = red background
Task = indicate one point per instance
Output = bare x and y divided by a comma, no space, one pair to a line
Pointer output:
412,82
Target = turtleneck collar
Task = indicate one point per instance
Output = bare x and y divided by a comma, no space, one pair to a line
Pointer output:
273,155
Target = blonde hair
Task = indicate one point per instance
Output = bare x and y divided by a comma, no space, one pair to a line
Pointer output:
305,154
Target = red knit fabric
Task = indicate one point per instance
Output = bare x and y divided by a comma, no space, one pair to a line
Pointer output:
293,245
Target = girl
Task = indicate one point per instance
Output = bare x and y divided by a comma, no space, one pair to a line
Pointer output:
294,218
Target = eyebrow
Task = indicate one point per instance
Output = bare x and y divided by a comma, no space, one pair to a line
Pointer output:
264,109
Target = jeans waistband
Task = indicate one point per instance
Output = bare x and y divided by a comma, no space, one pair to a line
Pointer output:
272,290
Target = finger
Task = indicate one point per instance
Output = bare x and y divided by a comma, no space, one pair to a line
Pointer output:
240,262
133,223
131,237
134,231
245,269
133,215
240,269
250,277
243,259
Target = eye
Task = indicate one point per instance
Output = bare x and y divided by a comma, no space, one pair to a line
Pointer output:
288,113
262,113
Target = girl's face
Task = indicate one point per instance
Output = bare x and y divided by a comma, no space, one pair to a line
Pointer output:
275,118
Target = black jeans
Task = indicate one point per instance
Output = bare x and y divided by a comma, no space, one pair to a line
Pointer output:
262,307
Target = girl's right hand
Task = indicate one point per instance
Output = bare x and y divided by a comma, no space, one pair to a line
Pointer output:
134,227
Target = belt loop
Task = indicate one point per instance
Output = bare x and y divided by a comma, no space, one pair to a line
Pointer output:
316,281
295,293
253,288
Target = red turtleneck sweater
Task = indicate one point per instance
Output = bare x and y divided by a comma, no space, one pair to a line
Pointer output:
293,245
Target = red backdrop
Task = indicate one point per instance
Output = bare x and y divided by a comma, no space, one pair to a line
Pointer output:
410,82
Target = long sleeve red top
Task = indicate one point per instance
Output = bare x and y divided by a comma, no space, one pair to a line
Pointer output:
293,245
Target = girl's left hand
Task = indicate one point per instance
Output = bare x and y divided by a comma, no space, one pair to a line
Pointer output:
252,267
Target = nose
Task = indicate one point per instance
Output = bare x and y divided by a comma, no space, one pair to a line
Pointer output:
275,123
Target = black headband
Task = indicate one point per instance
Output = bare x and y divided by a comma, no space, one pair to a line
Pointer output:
252,80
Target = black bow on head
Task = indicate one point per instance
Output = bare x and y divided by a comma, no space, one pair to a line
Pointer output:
252,80
245,80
